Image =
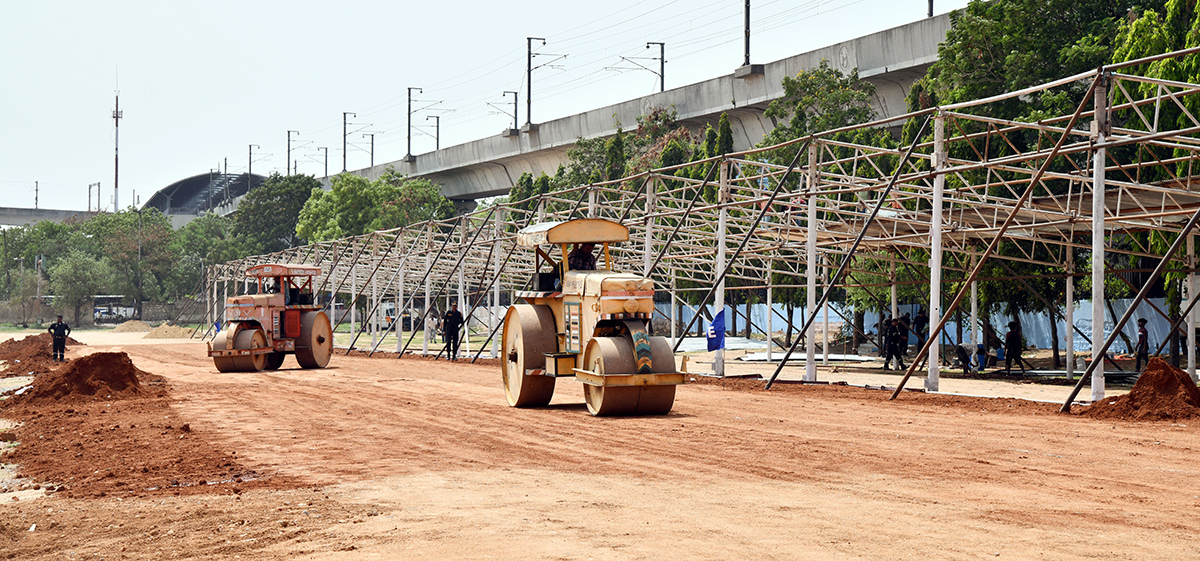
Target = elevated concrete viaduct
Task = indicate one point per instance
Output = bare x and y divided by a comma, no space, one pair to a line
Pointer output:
891,59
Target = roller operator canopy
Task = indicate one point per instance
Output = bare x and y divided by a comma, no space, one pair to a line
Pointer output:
584,230
281,270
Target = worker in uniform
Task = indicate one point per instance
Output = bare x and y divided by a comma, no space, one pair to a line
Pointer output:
451,323
1012,348
581,258
1143,344
893,346
59,331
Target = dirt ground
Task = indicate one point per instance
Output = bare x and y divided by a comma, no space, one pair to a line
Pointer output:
384,458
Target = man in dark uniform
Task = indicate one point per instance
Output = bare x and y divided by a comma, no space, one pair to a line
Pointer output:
893,346
1012,348
59,330
451,323
1143,344
905,325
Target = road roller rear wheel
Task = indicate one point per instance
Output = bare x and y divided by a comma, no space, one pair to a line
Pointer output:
315,345
529,332
614,355
274,360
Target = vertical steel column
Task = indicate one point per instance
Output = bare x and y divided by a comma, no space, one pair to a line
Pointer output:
1098,164
1069,313
825,313
648,243
895,296
374,319
810,248
674,311
400,302
353,303
719,299
465,342
495,315
770,311
975,341
1191,316
591,203
935,244
428,317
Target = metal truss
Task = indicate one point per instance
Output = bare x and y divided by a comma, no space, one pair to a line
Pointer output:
1032,185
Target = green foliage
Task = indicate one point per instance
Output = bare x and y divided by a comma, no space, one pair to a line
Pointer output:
267,215
23,295
724,135
208,239
77,279
356,206
615,157
137,246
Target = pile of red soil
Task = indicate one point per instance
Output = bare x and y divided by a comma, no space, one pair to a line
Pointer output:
98,376
29,355
1162,393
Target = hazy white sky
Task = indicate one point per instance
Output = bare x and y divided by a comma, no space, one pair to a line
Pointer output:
201,81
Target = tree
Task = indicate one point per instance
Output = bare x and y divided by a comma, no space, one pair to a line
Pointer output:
356,206
267,215
77,279
209,239
137,246
23,296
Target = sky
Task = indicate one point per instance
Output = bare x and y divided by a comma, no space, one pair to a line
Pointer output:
200,82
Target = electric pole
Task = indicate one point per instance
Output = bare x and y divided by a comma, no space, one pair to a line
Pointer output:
409,157
326,150
662,63
437,130
529,76
372,135
747,61
35,195
250,165
117,114
289,151
344,134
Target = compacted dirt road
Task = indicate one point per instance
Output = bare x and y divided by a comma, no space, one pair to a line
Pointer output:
380,458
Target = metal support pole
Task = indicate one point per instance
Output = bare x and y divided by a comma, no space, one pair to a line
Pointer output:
1191,317
399,329
975,341
825,314
770,308
719,300
895,295
496,286
810,248
425,316
674,312
935,245
1098,210
648,242
1069,313
354,301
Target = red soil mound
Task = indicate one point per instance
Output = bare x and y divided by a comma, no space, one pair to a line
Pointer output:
29,355
96,376
1163,392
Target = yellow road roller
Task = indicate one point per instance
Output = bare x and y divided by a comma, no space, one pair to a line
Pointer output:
586,322
281,319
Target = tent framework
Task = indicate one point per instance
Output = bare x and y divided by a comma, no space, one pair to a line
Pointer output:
1120,165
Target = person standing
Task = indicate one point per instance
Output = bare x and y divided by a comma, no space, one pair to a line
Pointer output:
451,323
1143,344
905,325
893,346
59,331
1012,348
